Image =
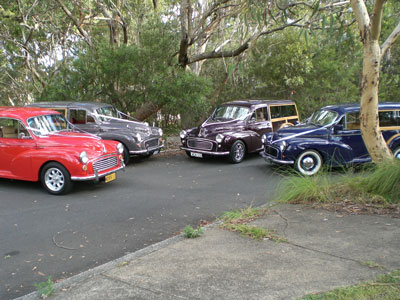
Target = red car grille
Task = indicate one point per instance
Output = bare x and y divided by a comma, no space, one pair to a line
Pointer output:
200,144
105,163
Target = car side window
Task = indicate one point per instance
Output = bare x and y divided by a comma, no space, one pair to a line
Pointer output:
12,129
353,120
80,116
389,118
261,114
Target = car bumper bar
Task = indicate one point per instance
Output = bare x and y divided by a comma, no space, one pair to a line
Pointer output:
204,151
95,176
146,151
271,159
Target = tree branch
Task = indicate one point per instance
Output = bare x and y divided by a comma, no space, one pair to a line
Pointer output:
376,19
390,40
76,23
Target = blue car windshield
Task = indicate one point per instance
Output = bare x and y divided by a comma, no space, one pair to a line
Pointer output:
322,117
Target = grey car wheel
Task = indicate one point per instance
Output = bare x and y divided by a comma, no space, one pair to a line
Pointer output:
55,178
237,153
309,162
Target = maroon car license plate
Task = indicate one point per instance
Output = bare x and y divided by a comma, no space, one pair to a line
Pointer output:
194,154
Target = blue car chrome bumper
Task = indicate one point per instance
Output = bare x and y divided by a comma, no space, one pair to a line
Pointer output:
270,159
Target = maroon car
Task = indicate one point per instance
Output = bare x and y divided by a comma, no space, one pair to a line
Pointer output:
235,128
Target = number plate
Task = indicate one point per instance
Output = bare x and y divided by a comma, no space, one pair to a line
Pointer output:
110,177
194,154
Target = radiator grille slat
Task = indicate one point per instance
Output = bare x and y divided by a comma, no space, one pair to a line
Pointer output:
271,151
151,143
105,163
200,144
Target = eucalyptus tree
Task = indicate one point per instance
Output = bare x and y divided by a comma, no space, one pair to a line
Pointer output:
369,23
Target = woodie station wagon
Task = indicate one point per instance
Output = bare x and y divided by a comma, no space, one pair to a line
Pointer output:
235,128
331,136
39,145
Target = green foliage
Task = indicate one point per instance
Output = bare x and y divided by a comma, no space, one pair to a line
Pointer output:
45,288
383,181
297,188
386,287
191,233
129,76
254,232
243,215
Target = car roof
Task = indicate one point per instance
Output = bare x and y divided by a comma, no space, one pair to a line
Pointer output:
256,102
23,112
70,104
343,108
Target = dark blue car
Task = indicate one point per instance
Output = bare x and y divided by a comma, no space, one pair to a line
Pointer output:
331,136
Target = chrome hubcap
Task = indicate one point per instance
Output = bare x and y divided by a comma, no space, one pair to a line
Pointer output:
308,163
239,151
397,155
54,179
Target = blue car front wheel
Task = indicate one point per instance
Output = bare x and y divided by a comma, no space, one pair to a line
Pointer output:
309,162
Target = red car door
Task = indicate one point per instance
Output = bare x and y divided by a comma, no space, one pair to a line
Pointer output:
15,152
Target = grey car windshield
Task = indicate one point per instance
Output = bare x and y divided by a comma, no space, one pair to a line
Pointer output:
323,117
107,111
48,124
230,113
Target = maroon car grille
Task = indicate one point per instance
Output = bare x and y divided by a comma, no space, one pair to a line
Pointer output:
151,143
200,144
271,151
105,163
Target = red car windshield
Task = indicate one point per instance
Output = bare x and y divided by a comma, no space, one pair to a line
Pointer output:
48,124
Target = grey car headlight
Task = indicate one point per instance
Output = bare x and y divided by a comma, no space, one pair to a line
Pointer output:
84,158
160,132
219,138
120,148
183,134
138,137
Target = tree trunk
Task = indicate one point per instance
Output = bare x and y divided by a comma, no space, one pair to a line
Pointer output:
371,134
146,111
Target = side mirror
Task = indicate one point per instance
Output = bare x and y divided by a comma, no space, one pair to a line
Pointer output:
338,127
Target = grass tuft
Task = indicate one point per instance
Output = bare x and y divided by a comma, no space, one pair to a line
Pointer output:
191,233
386,287
45,288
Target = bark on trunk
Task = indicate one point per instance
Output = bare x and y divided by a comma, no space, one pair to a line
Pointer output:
146,111
371,134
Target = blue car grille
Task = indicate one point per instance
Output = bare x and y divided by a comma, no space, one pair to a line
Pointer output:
200,144
105,163
271,151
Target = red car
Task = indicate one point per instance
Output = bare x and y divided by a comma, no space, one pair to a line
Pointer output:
39,144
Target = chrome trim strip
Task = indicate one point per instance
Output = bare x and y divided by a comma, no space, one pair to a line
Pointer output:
95,176
204,151
269,159
147,150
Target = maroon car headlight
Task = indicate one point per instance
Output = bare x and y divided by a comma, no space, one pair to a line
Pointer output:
183,134
219,138
84,158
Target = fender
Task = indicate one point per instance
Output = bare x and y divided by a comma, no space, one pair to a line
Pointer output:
39,157
245,136
394,142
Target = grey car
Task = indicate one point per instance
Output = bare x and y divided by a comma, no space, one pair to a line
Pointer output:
105,121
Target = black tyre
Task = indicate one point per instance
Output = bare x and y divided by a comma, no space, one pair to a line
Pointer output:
309,162
396,153
237,153
126,155
55,179
188,154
